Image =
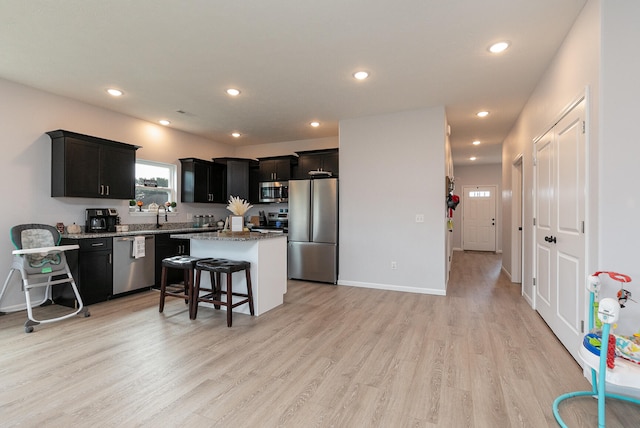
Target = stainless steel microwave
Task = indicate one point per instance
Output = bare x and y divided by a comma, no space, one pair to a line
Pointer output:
274,191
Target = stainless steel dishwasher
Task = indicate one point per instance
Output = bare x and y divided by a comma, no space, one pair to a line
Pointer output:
130,273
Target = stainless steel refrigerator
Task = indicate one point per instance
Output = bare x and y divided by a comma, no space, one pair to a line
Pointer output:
313,229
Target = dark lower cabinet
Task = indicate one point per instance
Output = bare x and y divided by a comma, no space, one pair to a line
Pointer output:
92,269
168,247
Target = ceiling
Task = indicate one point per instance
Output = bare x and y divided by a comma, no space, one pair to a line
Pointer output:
292,60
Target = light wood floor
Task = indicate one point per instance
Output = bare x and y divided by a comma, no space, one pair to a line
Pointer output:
330,356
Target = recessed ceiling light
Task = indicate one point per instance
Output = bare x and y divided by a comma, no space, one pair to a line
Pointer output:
472,158
482,114
114,92
315,124
233,92
360,75
498,47
235,134
164,122
475,143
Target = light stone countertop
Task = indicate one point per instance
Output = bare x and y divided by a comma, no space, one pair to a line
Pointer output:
215,236
143,229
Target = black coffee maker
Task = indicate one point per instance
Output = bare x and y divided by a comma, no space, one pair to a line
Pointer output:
99,220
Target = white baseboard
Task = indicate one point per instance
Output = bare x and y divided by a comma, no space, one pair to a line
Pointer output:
506,272
390,287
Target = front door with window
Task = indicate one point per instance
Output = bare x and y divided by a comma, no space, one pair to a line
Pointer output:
479,218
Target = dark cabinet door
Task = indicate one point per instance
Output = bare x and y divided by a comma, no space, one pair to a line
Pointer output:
169,247
254,184
217,184
330,163
238,179
266,169
95,276
117,167
75,169
282,169
201,182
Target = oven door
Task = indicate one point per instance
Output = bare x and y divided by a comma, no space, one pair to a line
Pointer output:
274,191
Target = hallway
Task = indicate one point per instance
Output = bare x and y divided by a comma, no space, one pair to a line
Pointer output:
524,367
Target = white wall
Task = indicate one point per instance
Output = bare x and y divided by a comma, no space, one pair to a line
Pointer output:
392,167
619,155
286,148
575,67
481,175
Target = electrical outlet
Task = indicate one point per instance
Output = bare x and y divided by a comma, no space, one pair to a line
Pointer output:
394,265
419,218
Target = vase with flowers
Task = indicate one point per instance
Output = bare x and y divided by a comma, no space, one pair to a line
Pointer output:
238,206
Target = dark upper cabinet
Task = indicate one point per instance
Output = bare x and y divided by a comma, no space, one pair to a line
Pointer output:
316,160
254,183
91,167
202,181
277,168
236,176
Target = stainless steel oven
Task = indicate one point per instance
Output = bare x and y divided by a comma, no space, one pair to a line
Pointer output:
274,191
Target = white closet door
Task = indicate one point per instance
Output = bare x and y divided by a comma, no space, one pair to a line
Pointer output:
560,239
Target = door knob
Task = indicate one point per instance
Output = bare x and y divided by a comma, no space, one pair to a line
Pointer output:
550,239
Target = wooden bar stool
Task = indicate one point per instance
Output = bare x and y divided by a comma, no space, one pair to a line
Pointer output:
216,267
187,265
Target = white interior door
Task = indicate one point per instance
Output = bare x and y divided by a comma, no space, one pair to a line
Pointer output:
544,228
516,222
479,218
560,239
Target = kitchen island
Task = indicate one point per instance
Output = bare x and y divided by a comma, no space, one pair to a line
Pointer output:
267,253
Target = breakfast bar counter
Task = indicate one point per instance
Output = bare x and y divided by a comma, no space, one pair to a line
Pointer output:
267,253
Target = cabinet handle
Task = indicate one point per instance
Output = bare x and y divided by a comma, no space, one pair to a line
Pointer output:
110,258
108,190
102,189
97,244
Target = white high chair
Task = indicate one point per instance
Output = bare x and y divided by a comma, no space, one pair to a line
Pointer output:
624,376
39,258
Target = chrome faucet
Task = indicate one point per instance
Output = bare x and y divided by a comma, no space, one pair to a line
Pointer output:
158,216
